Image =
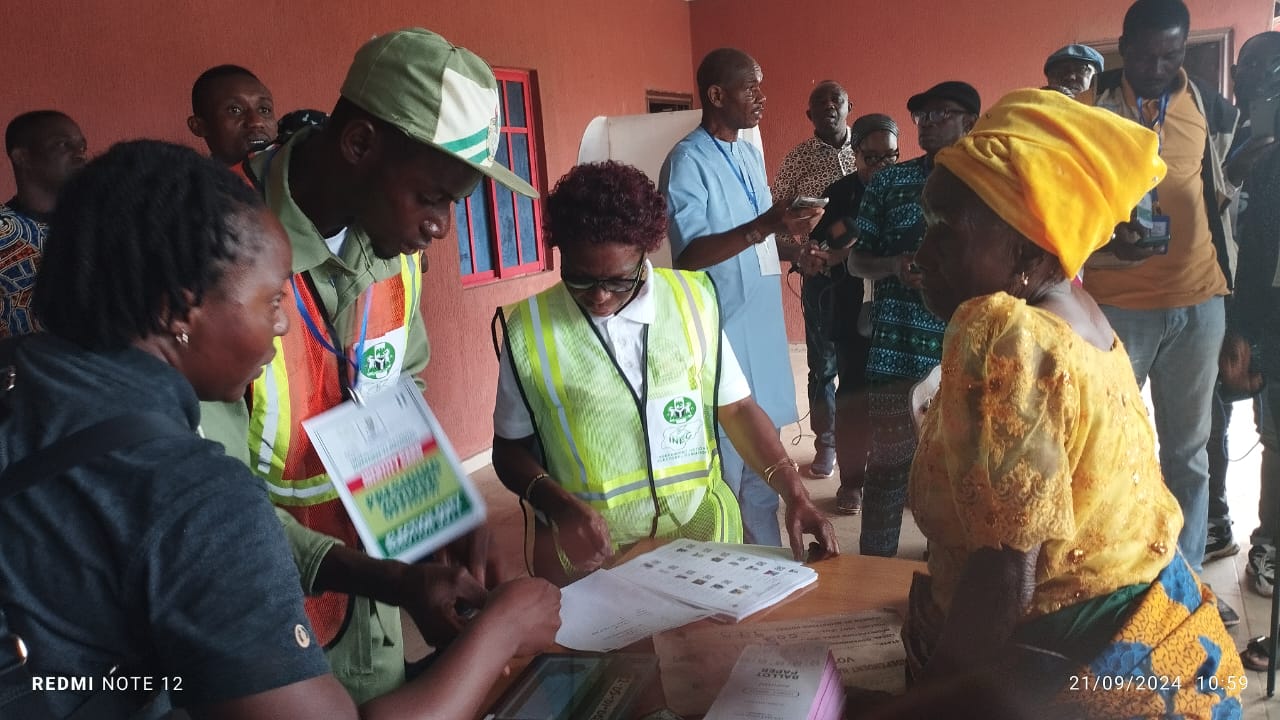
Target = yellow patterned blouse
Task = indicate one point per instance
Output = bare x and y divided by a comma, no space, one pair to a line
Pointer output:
1037,437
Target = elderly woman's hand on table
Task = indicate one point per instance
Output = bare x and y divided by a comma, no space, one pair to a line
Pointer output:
803,517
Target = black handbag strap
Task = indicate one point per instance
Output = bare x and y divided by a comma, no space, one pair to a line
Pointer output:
114,433
81,446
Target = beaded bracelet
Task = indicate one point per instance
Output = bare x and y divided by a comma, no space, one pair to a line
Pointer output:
774,468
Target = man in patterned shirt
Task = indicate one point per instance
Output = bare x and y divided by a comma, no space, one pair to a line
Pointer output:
45,147
808,170
906,339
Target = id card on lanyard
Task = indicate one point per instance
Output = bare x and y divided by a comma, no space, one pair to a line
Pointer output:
371,365
767,249
1149,213
397,474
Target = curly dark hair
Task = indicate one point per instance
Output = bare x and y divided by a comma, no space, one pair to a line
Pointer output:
607,202
142,233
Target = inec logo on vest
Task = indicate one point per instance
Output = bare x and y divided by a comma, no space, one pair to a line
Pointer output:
378,361
678,413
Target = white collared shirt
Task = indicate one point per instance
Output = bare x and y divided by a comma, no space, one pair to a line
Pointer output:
624,333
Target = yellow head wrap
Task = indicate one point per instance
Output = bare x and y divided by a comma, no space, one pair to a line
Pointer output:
1060,172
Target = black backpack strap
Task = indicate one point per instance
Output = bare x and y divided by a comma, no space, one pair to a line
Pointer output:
85,444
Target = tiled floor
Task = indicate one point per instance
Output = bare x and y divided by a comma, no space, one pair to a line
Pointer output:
1227,575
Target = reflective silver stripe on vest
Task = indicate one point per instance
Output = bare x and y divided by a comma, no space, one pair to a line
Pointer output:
697,315
640,485
702,341
270,421
535,317
292,490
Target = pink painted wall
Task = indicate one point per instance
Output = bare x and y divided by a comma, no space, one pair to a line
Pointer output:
124,70
884,52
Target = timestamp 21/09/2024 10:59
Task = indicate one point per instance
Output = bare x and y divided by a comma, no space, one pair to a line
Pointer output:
1154,683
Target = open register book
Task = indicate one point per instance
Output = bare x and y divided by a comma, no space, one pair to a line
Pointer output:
678,583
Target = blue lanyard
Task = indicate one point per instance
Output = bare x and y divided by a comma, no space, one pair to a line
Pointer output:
737,172
334,347
1157,122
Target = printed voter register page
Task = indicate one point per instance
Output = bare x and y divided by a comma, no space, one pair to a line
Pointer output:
396,473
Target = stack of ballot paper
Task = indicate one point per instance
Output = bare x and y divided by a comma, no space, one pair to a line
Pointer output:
781,682
676,584
696,661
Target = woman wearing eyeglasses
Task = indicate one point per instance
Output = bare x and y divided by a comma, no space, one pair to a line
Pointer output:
875,146
609,389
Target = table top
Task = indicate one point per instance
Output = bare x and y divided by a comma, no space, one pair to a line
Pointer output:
846,583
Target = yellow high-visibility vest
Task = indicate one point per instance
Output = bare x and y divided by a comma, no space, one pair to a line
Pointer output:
648,461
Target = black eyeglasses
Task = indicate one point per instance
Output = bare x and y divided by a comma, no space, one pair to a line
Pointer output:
933,117
616,286
874,159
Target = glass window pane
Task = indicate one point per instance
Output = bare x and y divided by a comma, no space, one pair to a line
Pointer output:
528,233
520,156
503,155
520,165
507,227
514,110
480,228
463,230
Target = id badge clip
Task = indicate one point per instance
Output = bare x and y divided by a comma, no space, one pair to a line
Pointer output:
1156,223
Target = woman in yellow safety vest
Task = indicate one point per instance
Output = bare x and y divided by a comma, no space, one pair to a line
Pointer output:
610,387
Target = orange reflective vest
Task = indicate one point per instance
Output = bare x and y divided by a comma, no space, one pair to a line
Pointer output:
302,381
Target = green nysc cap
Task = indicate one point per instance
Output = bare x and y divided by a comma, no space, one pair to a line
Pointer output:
435,92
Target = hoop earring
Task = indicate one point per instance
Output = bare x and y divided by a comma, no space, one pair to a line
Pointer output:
182,338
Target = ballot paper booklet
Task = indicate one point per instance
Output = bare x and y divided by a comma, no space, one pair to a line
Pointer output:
731,581
789,682
679,583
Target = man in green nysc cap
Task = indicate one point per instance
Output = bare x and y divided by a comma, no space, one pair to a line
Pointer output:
414,131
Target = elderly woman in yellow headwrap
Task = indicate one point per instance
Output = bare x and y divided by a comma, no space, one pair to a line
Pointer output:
1053,540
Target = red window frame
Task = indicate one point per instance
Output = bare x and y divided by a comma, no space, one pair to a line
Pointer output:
488,199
